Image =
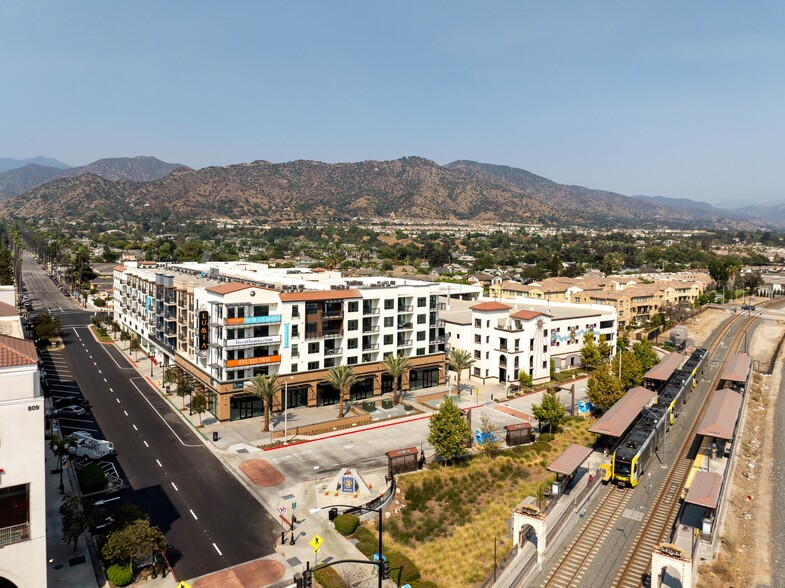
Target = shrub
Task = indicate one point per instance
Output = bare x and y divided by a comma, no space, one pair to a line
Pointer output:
120,574
98,301
397,560
346,524
546,437
329,578
91,478
367,541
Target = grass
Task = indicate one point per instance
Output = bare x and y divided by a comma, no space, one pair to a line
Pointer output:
447,515
101,334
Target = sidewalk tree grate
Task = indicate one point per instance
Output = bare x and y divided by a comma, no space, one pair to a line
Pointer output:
287,497
293,561
75,561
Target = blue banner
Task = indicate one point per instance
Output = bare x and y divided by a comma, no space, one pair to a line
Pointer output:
286,336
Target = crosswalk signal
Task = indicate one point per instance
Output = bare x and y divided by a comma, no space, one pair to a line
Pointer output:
307,579
385,570
298,580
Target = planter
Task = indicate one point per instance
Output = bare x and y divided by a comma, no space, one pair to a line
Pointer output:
369,405
387,403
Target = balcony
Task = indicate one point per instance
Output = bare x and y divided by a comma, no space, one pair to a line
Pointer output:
405,326
333,314
332,334
438,306
405,343
371,329
406,308
370,310
370,346
333,352
14,534
437,323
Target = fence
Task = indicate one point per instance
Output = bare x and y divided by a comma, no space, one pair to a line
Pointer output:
14,534
374,504
503,564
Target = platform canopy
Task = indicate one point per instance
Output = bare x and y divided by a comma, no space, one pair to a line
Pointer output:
570,460
721,416
621,415
737,369
705,490
663,370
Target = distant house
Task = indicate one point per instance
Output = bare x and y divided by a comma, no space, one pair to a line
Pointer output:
480,279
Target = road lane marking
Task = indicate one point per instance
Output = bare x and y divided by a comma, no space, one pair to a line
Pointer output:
100,372
193,514
218,550
175,487
159,463
110,390
183,443
145,444
134,426
105,382
95,364
118,400
126,412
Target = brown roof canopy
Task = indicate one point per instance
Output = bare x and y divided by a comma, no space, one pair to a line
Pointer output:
721,416
570,460
483,306
705,489
737,368
663,370
621,415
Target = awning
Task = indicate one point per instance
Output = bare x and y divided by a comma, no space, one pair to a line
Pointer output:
621,415
721,416
663,370
737,368
570,460
705,490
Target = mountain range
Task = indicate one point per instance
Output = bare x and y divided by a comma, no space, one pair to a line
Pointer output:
409,187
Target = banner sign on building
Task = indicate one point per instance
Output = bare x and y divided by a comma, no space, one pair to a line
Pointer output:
253,341
246,361
286,336
255,320
204,330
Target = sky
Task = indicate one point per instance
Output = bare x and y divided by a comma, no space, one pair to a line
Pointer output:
665,98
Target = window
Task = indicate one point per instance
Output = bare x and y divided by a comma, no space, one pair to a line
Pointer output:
421,302
421,351
295,330
295,350
422,319
478,323
295,311
531,344
313,347
477,354
351,360
487,338
294,368
351,343
313,365
388,339
388,321
502,343
389,304
478,338
544,364
310,328
476,371
421,336
353,306
487,355
352,325
311,308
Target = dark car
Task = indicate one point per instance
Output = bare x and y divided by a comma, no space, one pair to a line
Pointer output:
748,307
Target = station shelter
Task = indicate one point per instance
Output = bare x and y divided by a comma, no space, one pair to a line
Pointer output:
566,466
661,373
736,374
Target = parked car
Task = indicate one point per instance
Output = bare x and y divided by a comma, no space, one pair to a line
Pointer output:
87,446
72,410
748,307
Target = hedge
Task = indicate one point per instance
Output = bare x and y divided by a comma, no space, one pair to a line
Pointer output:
346,524
91,478
120,574
329,578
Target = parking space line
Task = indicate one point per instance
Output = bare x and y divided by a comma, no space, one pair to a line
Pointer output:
118,400
218,550
126,412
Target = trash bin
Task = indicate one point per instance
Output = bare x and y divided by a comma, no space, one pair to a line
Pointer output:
332,514
215,435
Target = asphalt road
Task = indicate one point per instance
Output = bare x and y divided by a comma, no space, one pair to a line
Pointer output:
211,521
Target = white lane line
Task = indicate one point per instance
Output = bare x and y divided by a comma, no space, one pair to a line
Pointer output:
95,364
159,463
193,514
134,426
110,390
100,372
145,444
126,412
218,550
105,382
175,487
118,400
183,443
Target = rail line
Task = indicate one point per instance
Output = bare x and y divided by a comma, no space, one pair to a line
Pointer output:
660,518
585,546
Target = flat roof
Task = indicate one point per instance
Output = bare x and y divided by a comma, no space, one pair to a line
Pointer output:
721,416
570,460
705,489
737,368
620,416
663,370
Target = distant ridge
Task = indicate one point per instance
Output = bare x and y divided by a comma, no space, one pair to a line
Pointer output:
135,169
677,203
7,163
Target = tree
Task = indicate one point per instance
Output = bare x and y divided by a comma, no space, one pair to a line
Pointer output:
134,347
78,515
647,357
169,377
449,431
631,370
265,387
459,360
342,378
396,366
550,412
135,542
125,336
6,266
184,388
490,443
524,379
605,348
46,327
604,389
591,355
199,405
622,343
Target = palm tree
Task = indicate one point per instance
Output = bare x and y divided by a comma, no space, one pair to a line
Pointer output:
396,366
342,378
459,360
265,387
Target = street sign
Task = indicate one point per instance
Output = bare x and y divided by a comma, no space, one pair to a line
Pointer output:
282,510
316,543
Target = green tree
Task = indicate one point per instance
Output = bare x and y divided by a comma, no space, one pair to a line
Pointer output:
184,388
46,327
135,347
604,389
524,379
647,357
6,266
550,411
78,515
631,370
265,388
199,405
459,360
342,378
125,336
591,355
605,348
169,377
396,366
134,543
622,343
491,442
449,431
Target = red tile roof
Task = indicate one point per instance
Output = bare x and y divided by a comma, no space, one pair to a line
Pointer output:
664,370
119,268
315,295
483,306
7,310
229,287
737,368
705,490
526,315
721,416
14,352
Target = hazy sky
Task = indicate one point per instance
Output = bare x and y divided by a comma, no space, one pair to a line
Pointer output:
681,99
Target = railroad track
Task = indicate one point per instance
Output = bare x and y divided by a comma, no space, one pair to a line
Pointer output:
585,546
659,520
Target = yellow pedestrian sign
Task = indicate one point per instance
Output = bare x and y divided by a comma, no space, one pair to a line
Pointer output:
316,543
183,585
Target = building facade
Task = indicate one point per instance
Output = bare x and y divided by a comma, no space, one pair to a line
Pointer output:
223,324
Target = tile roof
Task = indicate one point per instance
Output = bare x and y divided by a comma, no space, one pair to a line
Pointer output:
228,288
721,416
737,368
483,306
668,364
570,460
14,352
316,295
620,416
526,314
705,489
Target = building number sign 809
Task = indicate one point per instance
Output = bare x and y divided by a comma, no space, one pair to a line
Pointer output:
34,407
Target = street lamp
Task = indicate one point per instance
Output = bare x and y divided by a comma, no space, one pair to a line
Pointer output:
367,509
60,450
500,542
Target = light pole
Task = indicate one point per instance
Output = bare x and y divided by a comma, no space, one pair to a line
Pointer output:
495,540
365,508
285,410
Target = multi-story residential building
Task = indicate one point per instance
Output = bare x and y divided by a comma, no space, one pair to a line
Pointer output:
225,323
22,450
523,334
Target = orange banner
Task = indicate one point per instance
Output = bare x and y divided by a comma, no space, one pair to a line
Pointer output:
253,361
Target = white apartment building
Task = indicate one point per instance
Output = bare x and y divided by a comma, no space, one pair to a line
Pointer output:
224,323
524,334
22,451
